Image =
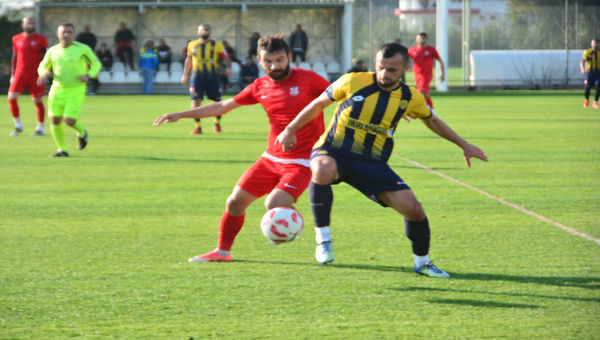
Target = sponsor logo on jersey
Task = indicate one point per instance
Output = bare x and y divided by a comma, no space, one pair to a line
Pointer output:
294,91
358,98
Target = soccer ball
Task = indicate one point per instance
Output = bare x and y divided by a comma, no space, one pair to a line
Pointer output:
281,225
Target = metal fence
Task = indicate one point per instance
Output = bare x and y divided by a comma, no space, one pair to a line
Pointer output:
510,26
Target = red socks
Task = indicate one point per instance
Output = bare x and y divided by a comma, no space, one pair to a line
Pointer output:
429,102
228,229
39,111
13,106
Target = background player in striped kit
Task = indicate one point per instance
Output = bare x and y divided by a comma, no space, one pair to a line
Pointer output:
590,66
204,56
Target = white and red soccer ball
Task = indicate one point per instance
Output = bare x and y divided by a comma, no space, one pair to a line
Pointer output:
282,225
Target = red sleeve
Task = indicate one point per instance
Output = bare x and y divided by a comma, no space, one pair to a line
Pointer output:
411,52
246,96
435,53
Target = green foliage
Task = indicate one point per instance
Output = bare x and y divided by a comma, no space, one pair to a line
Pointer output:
95,246
540,24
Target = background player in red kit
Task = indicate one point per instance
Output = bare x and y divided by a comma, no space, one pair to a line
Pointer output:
283,176
423,56
28,50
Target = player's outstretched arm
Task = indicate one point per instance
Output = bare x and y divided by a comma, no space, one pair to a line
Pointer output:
214,109
438,126
287,137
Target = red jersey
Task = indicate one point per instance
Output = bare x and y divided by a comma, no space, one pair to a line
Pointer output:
283,100
28,52
423,59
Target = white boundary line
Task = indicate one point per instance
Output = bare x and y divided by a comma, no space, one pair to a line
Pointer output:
503,201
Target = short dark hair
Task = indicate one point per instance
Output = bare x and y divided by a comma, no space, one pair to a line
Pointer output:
67,24
391,49
423,34
273,43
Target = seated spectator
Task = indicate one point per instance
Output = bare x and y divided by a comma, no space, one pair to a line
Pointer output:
359,66
248,73
164,53
124,41
105,56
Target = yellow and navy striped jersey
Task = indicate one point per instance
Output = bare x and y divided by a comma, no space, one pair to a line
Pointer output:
592,60
367,116
205,56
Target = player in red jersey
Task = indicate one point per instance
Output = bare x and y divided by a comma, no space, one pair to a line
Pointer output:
28,50
423,56
283,176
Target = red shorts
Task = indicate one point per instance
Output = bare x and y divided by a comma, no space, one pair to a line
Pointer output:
19,85
422,81
265,175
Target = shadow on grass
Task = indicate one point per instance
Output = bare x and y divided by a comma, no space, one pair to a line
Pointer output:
435,289
592,283
479,303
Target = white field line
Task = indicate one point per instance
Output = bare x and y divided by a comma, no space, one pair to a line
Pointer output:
503,201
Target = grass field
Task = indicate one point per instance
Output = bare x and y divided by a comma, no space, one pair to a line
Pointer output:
96,246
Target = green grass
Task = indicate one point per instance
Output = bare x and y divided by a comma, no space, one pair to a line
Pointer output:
454,77
95,246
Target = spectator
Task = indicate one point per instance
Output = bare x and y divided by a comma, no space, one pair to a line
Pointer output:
87,37
148,64
359,66
105,56
124,41
164,53
253,44
249,73
298,43
231,52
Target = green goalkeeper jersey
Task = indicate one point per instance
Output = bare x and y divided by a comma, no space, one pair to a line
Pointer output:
67,64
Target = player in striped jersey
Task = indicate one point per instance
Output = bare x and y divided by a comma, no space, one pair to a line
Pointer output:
590,63
203,60
358,142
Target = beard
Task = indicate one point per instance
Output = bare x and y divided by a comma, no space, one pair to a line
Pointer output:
28,30
205,36
388,83
279,74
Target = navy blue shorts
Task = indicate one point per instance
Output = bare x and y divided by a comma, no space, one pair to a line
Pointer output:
208,85
592,78
369,177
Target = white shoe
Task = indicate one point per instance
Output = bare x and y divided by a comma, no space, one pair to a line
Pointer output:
15,132
431,270
324,252
38,132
